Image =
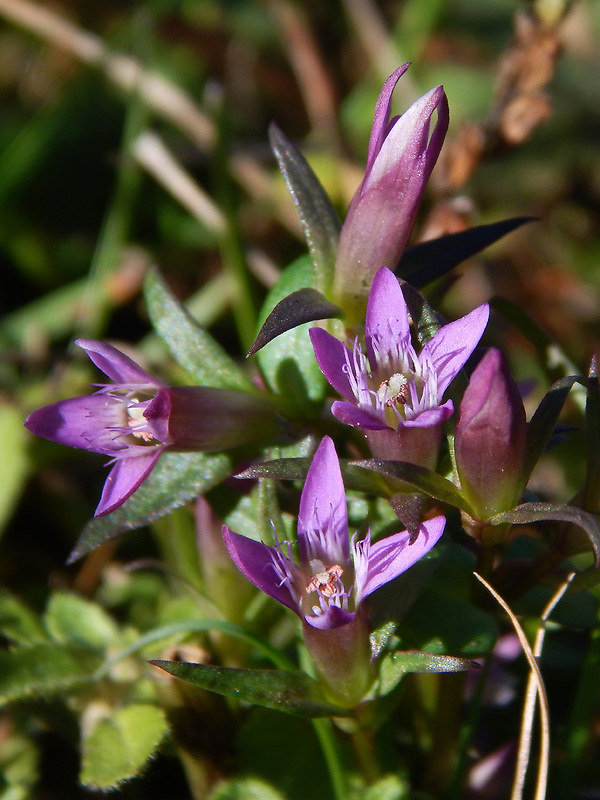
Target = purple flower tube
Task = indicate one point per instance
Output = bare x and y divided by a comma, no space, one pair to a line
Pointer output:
136,418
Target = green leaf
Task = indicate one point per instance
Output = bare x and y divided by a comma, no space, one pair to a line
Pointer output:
192,347
288,363
428,482
320,223
121,746
289,469
428,261
44,669
409,510
245,789
541,426
18,622
177,478
303,305
291,691
390,787
395,665
70,619
19,770
13,464
538,512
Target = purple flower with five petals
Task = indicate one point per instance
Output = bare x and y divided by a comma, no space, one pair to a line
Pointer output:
136,418
402,154
392,387
335,574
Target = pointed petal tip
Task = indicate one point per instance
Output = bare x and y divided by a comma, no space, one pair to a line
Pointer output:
125,478
115,364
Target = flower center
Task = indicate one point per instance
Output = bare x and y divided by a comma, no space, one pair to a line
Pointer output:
324,579
137,423
394,390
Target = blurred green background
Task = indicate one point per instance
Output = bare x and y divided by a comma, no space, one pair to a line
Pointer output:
134,134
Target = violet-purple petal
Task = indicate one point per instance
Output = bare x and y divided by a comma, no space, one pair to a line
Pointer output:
350,414
119,367
392,556
408,140
75,422
430,417
381,124
334,617
386,302
331,357
125,477
452,345
323,515
254,560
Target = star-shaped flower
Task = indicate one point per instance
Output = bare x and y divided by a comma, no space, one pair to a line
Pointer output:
393,386
334,574
136,418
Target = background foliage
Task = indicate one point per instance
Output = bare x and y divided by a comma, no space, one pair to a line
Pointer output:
92,195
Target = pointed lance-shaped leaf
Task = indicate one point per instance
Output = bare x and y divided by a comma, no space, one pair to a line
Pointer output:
320,223
291,469
543,422
408,508
291,691
539,512
421,478
424,263
193,348
395,665
303,305
177,478
425,320
288,365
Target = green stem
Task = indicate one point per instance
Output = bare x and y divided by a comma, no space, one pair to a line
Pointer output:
364,747
485,559
327,738
331,754
446,727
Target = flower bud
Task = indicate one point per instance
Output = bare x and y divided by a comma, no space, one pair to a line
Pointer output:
402,153
490,438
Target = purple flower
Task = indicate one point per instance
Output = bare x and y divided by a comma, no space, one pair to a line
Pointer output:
391,387
401,157
136,418
334,574
490,438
